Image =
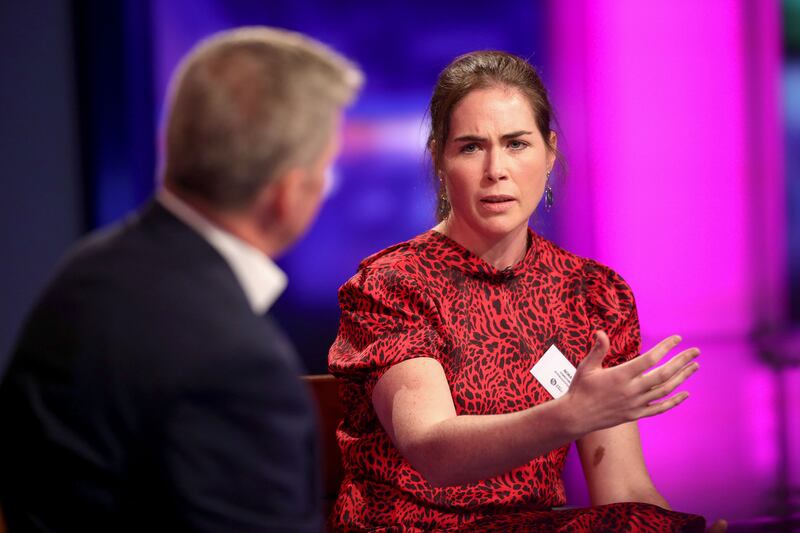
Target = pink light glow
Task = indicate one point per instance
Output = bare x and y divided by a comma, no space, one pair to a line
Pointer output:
405,135
664,88
671,133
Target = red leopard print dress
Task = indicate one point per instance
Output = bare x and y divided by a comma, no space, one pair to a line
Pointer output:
430,297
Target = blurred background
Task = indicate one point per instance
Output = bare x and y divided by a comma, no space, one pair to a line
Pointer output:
679,122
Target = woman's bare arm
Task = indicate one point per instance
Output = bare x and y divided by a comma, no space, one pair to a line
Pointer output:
614,467
415,407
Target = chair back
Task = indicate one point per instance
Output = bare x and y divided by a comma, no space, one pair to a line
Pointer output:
325,388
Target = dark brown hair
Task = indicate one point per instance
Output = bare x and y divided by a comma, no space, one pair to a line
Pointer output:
480,70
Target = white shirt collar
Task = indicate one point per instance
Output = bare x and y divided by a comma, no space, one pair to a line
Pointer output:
261,279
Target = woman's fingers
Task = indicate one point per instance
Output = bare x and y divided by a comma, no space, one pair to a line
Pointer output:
665,388
628,392
665,372
661,407
640,364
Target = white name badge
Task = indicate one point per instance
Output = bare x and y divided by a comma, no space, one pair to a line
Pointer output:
554,372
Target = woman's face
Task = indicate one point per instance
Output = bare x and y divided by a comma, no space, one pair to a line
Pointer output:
495,164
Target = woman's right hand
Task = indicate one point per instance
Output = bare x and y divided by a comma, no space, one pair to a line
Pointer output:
606,397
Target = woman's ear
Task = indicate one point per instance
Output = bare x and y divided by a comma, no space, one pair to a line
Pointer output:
435,158
552,150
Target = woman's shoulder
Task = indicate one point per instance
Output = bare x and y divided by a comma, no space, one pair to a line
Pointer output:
390,256
595,276
395,273
404,258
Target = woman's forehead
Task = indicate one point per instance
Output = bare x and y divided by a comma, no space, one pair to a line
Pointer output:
490,111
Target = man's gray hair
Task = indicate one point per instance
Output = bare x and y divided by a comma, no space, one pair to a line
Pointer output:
248,104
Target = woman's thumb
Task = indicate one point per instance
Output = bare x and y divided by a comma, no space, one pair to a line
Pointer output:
594,359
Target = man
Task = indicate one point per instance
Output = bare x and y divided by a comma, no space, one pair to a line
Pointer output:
146,391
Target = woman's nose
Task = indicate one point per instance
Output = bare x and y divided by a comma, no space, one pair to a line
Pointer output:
495,166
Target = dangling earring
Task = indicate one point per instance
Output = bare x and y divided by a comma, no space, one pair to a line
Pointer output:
548,193
444,204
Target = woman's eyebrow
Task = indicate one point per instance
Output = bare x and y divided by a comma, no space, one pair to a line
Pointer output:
519,133
478,138
472,138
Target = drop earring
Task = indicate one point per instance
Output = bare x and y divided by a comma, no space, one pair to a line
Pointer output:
548,193
444,205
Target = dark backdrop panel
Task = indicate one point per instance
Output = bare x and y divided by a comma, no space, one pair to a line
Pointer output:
791,104
41,206
115,66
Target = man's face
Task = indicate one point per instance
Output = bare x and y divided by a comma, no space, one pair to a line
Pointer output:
310,187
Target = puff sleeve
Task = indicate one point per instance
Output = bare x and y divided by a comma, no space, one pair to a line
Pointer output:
610,306
386,317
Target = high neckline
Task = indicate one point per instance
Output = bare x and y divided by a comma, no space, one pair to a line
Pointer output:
470,263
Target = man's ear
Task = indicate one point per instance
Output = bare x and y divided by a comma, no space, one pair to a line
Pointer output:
277,200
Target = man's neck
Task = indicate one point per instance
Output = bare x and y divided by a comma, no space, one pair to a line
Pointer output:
240,224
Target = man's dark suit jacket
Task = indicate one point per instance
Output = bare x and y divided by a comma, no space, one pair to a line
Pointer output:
145,395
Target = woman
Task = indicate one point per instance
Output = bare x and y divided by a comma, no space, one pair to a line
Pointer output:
446,427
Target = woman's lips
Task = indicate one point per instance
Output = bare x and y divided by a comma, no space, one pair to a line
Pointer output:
497,203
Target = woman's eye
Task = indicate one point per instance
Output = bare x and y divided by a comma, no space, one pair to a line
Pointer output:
469,148
516,145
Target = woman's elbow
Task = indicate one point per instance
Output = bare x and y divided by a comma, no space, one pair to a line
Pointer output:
431,461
